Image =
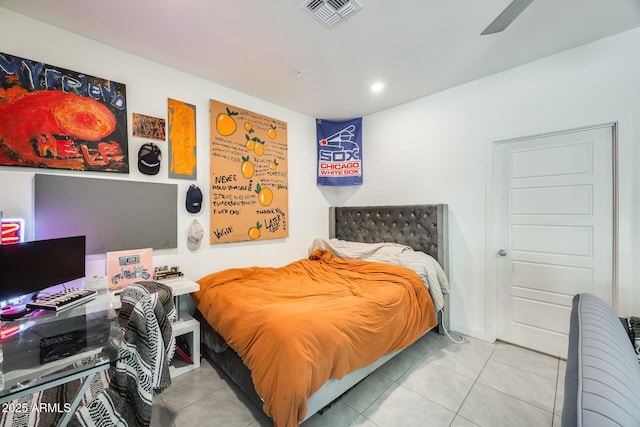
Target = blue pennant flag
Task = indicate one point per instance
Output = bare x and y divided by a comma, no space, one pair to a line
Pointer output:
339,152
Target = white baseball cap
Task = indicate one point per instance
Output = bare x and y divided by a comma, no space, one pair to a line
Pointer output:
196,233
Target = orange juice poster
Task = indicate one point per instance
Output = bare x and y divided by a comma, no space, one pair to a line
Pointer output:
249,176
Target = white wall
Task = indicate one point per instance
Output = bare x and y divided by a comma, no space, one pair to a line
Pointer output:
148,86
428,151
433,151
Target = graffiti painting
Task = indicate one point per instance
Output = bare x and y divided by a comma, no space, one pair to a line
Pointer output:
51,117
148,127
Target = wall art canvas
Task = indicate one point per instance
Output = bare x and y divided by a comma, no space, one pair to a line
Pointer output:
182,139
248,177
127,267
148,127
51,117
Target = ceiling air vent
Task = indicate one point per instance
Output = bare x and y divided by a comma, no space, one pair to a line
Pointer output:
330,12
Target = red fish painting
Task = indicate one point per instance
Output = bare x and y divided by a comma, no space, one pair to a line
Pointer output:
60,129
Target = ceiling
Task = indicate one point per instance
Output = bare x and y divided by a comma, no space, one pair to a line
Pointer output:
275,51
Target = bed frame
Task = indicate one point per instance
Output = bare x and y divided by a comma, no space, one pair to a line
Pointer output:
422,227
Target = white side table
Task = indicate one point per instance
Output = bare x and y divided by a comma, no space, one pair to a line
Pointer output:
190,328
184,325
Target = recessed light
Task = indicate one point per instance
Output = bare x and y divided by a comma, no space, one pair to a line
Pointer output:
377,87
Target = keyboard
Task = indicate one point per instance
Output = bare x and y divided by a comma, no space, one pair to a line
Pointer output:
64,299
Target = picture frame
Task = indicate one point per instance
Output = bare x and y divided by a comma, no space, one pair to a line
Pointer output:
127,267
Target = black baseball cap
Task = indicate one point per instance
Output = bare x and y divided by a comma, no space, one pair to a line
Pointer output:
194,199
149,157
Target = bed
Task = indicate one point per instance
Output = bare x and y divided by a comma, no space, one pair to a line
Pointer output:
410,230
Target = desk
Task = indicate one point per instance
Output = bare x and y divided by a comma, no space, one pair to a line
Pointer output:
47,349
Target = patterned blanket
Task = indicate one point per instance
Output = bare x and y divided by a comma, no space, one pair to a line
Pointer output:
634,329
142,370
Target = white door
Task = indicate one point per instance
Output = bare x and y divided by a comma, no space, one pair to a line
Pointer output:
554,232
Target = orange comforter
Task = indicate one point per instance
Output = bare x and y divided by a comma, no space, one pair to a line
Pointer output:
297,326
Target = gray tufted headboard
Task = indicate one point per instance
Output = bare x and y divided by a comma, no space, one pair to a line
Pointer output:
422,227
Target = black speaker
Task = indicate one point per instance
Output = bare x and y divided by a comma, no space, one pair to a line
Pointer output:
69,337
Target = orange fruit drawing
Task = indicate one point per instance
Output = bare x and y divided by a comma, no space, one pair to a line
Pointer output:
273,165
265,195
225,124
251,143
271,133
254,232
247,126
246,167
259,148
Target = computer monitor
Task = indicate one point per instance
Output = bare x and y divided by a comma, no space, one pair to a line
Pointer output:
30,267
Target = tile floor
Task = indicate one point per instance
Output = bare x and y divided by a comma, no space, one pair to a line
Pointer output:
432,383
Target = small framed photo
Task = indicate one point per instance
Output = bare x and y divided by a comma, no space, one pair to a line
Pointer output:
126,267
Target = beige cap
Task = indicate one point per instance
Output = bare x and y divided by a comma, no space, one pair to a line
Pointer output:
196,233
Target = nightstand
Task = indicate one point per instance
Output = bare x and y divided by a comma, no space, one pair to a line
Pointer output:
184,325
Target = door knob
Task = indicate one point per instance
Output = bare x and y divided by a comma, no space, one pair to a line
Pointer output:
502,252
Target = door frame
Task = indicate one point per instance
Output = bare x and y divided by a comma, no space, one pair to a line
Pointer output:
622,211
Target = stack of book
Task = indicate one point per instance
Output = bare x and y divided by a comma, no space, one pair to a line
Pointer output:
161,273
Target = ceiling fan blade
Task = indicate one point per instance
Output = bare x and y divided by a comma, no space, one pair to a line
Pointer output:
507,16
